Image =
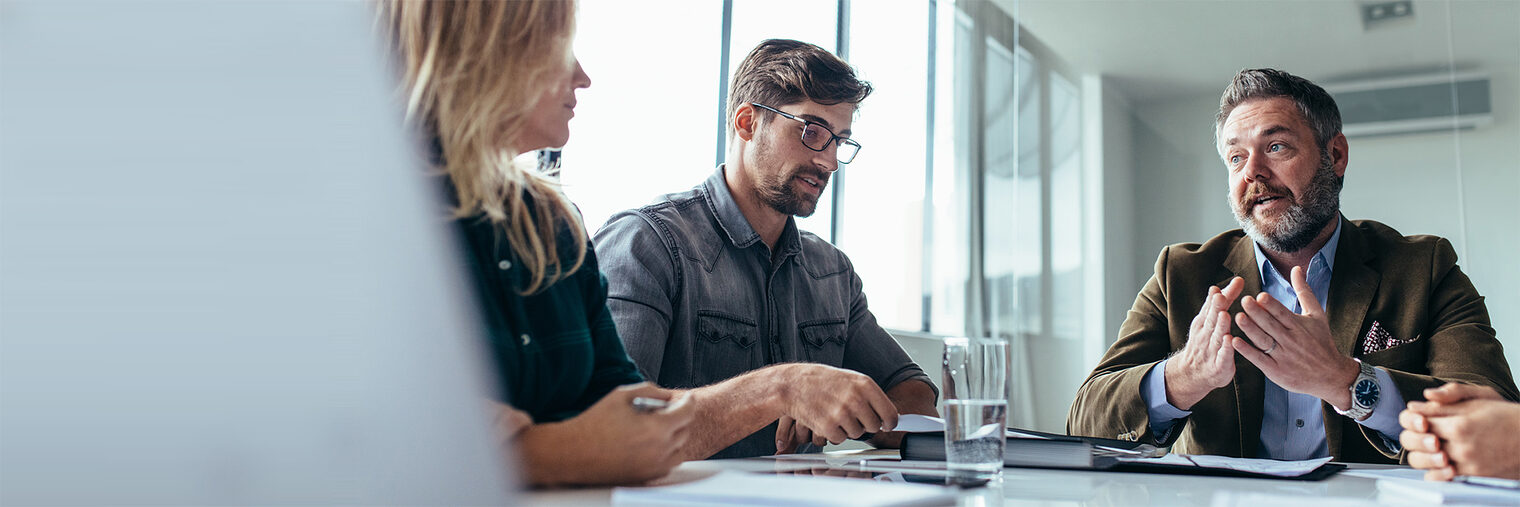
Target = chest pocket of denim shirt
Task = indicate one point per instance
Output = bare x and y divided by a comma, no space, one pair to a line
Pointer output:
823,341
725,347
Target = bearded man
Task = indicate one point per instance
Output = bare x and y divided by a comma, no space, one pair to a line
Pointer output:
1302,334
717,281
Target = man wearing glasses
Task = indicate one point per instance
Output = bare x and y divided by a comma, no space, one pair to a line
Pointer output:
717,281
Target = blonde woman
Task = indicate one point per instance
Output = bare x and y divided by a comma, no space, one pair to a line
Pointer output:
489,80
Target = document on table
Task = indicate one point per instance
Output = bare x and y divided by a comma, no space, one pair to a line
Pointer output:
1271,467
739,488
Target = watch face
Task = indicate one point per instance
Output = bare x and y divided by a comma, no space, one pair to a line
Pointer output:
1366,392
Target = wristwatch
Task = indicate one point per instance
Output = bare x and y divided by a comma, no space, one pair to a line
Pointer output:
1364,392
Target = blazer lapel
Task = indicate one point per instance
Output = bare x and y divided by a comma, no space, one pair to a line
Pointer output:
1352,286
1250,385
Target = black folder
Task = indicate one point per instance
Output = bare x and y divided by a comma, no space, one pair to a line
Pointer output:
1084,453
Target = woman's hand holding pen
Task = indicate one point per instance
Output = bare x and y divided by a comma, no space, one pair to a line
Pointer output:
613,441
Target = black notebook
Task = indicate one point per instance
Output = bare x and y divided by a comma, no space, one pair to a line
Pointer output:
1059,452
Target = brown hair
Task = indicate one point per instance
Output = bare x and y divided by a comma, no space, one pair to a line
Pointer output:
472,70
781,71
1313,102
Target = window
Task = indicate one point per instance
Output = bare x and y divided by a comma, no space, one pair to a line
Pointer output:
882,191
645,126
1066,209
951,198
1016,195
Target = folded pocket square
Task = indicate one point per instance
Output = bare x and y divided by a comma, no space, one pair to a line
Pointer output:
1378,338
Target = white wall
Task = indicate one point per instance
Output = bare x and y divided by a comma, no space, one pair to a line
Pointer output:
1406,181
1126,266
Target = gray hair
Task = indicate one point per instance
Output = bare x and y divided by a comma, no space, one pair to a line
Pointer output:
1313,102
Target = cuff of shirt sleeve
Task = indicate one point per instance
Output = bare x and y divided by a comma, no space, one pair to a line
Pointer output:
1162,413
1385,417
906,373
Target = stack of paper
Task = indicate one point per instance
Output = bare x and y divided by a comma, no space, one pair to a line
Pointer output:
738,488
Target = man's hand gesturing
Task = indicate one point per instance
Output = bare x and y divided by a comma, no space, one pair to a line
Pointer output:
1206,362
1296,351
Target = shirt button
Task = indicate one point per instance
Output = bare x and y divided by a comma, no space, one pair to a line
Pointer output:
505,265
526,339
1299,423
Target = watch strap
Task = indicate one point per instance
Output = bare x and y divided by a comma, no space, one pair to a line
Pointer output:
1357,410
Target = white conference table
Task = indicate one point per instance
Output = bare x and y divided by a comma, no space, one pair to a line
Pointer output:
1027,486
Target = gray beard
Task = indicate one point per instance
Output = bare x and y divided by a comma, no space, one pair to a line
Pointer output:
1304,219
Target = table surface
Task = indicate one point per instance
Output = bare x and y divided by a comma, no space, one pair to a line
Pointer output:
1027,486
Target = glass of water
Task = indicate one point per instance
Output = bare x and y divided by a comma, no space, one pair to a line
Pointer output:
976,406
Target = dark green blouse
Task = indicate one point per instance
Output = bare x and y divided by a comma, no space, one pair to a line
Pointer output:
556,352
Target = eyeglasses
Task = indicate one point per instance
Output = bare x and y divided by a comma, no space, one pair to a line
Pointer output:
817,137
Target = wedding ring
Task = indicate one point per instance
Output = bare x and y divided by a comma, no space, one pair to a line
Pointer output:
1270,349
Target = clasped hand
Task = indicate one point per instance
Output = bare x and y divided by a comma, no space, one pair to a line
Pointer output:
1462,429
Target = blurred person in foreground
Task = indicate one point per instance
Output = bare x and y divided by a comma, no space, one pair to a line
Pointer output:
487,81
1462,429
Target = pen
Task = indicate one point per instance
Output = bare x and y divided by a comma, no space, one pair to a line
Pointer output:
646,405
1491,482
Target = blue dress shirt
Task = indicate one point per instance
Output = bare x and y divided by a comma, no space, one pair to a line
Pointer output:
1292,424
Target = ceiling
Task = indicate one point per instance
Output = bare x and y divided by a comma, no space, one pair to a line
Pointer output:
1156,50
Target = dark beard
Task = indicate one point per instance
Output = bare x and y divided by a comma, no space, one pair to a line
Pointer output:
781,197
779,194
1304,219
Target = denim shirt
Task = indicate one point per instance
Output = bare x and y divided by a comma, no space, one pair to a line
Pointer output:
698,299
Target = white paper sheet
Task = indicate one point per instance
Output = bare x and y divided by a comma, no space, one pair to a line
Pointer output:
1407,490
916,423
1261,466
738,488
1387,473
836,458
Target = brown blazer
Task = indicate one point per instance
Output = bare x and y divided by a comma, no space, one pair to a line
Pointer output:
1411,285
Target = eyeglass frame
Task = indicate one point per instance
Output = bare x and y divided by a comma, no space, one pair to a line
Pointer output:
806,122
